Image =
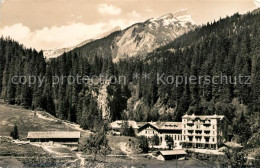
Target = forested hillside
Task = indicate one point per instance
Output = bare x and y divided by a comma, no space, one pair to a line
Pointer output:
229,47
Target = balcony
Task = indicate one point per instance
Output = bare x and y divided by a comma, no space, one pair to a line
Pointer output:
190,128
201,141
206,133
190,122
207,123
207,127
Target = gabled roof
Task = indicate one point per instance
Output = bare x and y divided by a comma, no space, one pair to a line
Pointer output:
54,134
151,124
139,124
163,125
173,152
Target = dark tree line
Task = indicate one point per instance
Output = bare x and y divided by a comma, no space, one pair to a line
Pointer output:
58,94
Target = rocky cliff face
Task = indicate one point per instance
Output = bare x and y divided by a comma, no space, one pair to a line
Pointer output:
103,100
142,38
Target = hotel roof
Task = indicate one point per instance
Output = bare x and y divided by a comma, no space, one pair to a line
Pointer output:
204,117
170,125
54,134
164,125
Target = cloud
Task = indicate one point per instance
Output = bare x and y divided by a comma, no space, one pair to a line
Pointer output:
54,37
63,36
134,14
16,31
105,9
66,35
257,3
130,19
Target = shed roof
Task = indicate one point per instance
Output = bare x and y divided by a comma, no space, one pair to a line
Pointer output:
173,152
233,145
54,134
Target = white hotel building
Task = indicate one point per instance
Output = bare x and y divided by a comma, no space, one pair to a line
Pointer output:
195,131
200,131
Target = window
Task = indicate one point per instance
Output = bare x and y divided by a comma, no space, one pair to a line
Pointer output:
175,137
213,126
213,139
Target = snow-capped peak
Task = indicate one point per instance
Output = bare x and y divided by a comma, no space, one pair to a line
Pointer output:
143,38
179,16
183,16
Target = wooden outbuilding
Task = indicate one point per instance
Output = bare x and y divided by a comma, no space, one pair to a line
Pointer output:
70,138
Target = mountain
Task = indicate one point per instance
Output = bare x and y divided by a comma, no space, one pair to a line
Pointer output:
256,11
53,53
141,38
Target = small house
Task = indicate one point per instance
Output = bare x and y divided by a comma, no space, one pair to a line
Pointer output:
171,154
117,126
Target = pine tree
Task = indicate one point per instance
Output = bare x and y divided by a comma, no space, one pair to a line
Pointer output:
14,133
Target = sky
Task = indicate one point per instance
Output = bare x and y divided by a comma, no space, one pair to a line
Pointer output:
48,24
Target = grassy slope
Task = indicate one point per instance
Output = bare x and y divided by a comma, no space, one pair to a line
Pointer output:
26,121
115,142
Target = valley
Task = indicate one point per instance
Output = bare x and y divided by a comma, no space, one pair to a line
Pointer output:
218,52
42,155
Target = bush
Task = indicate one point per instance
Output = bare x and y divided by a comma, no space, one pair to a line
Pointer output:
97,144
155,140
